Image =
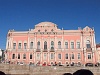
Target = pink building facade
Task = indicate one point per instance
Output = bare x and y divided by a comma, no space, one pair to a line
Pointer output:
47,44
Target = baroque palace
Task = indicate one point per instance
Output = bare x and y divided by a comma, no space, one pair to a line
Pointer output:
47,44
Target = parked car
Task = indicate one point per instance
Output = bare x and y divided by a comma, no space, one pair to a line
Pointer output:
97,64
21,63
31,64
89,64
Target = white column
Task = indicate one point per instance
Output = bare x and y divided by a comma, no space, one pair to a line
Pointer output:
93,57
11,43
62,43
34,57
35,43
94,40
7,44
48,56
55,56
41,56
55,43
28,42
42,43
85,57
81,46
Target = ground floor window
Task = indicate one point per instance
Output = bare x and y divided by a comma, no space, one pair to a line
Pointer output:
89,55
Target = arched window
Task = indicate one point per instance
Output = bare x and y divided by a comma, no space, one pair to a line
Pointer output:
38,45
31,45
52,45
59,45
66,45
88,44
45,45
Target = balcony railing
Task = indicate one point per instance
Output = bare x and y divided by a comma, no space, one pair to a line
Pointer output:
52,50
45,50
37,50
89,49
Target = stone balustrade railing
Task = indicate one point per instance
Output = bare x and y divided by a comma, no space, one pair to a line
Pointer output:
42,70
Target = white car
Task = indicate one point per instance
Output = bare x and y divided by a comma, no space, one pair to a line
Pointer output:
21,63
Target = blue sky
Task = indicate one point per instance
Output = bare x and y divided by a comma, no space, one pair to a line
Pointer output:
21,15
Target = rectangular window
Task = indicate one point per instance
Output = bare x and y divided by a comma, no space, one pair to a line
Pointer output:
14,45
18,56
45,56
38,45
52,55
72,45
24,56
59,56
66,56
52,45
72,56
78,45
31,45
79,56
66,45
89,55
19,46
13,56
38,56
88,45
25,45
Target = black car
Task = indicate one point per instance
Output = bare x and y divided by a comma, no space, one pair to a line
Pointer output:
97,64
89,64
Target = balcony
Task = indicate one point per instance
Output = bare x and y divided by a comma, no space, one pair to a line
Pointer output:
88,49
52,50
45,50
38,50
